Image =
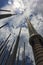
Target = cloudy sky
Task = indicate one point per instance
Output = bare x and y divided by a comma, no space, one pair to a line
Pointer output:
33,9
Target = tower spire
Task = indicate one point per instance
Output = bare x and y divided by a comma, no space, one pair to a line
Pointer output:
36,41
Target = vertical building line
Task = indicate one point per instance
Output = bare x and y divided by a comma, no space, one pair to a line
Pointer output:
3,25
9,52
12,58
6,15
23,56
5,10
2,48
4,45
3,54
17,62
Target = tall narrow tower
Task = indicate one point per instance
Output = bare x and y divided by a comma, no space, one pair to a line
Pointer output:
36,41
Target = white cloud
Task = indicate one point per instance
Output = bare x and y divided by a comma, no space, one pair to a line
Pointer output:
16,5
39,7
37,21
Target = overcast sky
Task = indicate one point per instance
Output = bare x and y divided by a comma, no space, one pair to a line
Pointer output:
24,8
